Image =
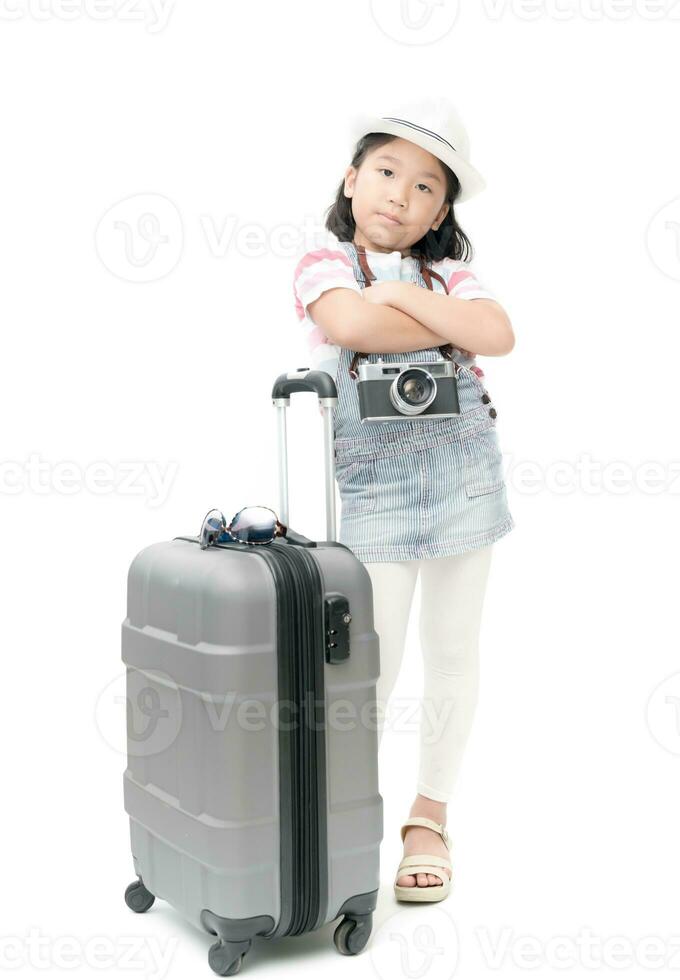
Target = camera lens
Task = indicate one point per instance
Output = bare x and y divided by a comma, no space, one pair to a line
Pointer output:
413,391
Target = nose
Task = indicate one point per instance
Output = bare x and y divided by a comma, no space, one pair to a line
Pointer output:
398,196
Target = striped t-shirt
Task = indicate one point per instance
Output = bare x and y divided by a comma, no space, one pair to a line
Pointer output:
330,267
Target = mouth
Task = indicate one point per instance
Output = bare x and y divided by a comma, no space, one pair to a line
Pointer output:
388,218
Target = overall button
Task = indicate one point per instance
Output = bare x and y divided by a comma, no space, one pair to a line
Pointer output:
493,413
486,399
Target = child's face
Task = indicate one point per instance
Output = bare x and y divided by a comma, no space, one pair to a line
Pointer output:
397,178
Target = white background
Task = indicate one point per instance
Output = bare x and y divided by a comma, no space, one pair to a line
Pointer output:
232,118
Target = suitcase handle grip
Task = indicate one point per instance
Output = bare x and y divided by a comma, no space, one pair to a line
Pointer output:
305,379
323,384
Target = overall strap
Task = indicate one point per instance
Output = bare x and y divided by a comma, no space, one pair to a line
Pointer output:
427,274
365,267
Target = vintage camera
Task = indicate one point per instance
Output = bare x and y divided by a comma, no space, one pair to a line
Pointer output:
405,390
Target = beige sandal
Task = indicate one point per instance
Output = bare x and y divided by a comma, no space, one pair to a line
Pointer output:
427,863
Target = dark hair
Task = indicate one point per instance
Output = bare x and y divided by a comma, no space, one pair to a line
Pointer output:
449,240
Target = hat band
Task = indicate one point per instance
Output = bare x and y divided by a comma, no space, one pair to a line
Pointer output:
421,129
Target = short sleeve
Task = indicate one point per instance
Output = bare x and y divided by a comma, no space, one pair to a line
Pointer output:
462,282
319,270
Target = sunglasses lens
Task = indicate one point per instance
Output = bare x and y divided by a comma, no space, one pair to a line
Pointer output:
213,529
254,524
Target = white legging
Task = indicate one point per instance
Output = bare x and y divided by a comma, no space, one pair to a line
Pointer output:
452,596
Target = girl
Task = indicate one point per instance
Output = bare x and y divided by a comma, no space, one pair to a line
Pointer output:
420,497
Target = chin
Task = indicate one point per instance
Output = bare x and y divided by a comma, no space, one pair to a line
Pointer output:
383,235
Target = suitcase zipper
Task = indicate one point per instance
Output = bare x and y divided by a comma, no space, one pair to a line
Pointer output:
302,750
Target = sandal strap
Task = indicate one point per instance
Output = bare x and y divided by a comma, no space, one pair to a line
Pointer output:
427,869
430,824
432,860
438,870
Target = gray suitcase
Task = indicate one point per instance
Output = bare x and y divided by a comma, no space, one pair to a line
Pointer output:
252,776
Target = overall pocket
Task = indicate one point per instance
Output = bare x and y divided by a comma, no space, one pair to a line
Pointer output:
483,463
356,482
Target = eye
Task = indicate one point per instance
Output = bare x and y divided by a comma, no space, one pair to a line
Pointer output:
387,170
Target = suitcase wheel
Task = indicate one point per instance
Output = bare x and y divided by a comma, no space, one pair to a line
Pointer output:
138,897
352,934
226,958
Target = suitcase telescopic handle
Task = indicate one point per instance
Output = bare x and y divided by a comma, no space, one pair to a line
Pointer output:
305,379
323,385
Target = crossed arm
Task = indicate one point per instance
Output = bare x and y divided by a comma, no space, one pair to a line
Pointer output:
400,316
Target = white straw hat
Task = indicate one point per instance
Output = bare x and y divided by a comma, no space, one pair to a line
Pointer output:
435,125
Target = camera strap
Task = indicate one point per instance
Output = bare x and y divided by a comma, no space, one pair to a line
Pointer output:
368,278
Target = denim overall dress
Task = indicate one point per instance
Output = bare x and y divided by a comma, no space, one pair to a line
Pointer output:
413,489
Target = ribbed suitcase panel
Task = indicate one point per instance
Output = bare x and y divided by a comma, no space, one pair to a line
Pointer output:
202,789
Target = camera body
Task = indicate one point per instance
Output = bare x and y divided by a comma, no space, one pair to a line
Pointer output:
390,391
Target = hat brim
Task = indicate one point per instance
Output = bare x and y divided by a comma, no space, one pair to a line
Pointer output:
471,181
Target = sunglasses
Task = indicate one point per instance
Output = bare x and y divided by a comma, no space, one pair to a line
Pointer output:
251,525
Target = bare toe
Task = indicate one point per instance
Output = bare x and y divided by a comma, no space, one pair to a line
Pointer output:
407,880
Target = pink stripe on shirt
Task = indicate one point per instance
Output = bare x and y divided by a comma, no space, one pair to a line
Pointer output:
458,277
322,253
335,269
